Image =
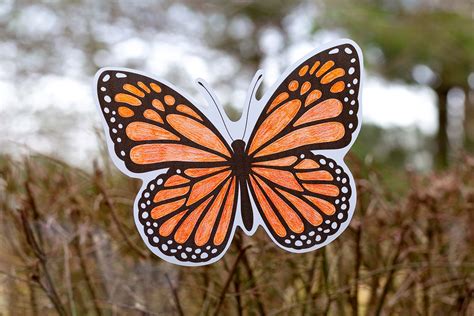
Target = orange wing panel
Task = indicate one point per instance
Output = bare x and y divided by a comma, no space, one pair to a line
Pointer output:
204,230
140,131
275,123
187,226
197,133
327,109
167,228
281,177
270,215
315,134
204,187
224,223
287,213
308,212
155,153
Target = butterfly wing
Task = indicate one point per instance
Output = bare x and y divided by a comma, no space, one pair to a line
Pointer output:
303,200
186,215
306,200
314,107
152,126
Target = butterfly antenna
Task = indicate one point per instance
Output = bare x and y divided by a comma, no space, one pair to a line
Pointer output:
257,80
218,109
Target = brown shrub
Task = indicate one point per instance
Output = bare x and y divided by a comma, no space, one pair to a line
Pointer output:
69,246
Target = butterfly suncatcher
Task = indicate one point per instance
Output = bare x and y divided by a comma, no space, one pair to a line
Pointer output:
204,175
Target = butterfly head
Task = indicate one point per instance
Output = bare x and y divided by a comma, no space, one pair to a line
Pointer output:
238,145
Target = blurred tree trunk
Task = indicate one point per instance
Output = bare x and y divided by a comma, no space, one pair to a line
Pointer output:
442,134
401,32
469,120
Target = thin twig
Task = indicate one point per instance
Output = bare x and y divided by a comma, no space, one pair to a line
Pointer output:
358,260
87,274
388,282
33,299
67,278
229,279
174,291
48,285
238,296
325,275
115,218
308,285
251,277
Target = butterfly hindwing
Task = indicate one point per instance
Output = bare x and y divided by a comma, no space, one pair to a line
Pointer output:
303,200
315,107
187,215
152,126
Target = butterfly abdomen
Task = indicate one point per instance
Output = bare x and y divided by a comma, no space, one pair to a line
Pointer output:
241,169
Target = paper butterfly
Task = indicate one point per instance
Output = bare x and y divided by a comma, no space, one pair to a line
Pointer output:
280,167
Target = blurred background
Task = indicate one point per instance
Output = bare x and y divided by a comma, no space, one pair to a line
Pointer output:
67,238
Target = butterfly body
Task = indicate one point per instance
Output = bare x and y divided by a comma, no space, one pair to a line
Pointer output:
287,176
241,166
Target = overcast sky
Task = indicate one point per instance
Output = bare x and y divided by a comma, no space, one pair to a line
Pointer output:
56,113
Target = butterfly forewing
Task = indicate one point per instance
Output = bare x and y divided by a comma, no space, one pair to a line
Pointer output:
152,126
315,107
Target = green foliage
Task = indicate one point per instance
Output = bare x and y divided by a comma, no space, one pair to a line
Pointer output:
397,37
442,40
